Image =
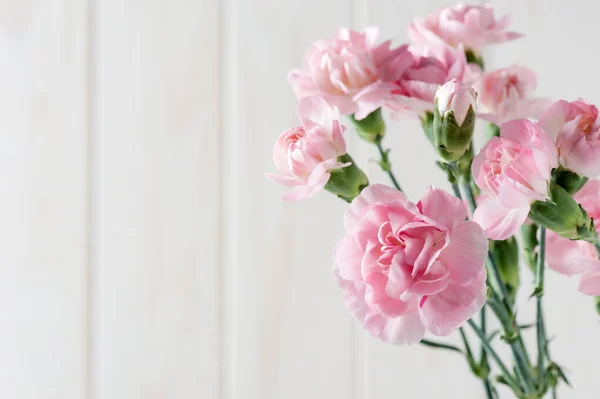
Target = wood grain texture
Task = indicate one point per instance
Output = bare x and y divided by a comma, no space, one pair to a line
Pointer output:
288,333
156,236
43,201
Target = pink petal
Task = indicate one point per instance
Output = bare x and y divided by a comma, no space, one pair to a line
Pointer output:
465,255
370,195
443,313
443,208
497,221
589,284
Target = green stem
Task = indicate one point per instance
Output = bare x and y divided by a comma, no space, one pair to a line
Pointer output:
385,164
490,350
539,290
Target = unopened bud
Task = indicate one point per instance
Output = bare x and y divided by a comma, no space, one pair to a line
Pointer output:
454,119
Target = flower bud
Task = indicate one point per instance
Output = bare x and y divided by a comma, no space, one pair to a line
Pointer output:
454,119
506,255
371,128
563,215
347,182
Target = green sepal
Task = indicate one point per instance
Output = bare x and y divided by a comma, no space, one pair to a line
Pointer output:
427,125
572,182
371,128
530,243
347,182
563,215
473,58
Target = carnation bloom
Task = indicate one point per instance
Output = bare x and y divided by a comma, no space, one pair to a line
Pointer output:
431,68
306,154
506,94
576,257
406,269
514,169
472,26
576,129
351,71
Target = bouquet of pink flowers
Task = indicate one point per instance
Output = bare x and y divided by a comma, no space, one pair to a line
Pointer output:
436,265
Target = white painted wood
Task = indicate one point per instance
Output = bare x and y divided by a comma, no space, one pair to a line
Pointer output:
43,200
157,200
288,333
559,45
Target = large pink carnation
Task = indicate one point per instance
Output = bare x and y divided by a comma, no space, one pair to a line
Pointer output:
406,269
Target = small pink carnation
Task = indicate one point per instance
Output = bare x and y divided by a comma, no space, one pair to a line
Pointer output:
431,68
507,94
472,26
306,154
576,129
514,170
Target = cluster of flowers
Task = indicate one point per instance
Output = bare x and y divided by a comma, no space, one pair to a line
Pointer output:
405,267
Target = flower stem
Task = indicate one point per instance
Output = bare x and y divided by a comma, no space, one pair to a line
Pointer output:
385,164
490,350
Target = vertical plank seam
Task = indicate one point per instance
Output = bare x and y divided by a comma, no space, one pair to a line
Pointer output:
359,348
230,191
91,57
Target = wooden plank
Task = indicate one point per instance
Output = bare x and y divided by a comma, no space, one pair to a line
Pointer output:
44,199
288,334
157,232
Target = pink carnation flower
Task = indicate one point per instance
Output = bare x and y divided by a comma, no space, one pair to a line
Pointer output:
306,154
576,129
472,26
431,68
506,94
514,169
578,257
406,269
351,71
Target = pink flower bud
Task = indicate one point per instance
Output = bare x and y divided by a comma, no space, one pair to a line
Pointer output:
457,97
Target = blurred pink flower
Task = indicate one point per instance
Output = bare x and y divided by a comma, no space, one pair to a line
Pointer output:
578,257
306,154
406,269
506,94
472,26
351,71
514,169
431,68
457,97
576,129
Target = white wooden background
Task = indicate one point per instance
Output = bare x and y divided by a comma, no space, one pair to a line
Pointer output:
144,255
